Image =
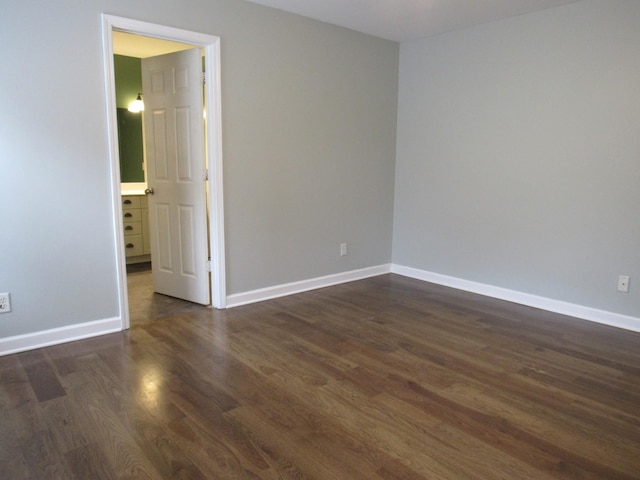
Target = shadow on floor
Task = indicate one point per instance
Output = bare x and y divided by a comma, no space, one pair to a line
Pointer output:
144,304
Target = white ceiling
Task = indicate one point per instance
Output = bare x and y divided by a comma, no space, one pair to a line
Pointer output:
402,20
139,46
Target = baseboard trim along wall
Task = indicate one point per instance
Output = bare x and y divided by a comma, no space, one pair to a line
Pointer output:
20,343
268,293
55,336
543,303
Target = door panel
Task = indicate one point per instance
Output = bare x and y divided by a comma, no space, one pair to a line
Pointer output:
183,152
162,238
186,219
157,158
174,137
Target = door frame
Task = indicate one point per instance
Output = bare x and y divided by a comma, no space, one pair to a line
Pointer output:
213,133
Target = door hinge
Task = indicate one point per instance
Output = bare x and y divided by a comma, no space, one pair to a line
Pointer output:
208,265
205,174
204,78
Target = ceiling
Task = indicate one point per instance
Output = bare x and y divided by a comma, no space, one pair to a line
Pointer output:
402,20
131,45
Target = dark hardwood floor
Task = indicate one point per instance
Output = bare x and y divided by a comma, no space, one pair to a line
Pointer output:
385,378
144,304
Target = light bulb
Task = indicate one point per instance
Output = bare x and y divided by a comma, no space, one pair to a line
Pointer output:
137,105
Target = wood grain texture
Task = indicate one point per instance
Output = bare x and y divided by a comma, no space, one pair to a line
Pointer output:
387,378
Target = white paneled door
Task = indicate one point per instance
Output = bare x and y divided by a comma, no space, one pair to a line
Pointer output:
175,156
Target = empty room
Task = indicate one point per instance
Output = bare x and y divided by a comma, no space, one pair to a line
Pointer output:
382,239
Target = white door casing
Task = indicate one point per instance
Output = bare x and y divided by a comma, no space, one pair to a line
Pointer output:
174,148
213,133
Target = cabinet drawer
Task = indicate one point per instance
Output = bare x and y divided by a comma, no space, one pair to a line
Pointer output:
133,245
132,228
131,201
132,215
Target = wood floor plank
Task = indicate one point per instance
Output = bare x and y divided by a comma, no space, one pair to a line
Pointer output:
42,376
112,432
60,418
44,459
88,461
12,462
289,447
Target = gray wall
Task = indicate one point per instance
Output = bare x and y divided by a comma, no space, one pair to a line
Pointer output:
518,157
309,124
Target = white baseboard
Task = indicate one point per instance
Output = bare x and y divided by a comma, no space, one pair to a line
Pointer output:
543,303
55,336
268,293
20,343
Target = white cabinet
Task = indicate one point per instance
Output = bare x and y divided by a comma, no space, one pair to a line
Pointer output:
136,228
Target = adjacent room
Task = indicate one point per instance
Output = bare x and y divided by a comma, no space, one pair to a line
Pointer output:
410,228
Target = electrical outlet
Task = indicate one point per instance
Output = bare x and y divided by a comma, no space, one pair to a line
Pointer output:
5,303
343,249
623,283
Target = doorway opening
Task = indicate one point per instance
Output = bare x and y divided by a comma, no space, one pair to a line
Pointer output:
162,37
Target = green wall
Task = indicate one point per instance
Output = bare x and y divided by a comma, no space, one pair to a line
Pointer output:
130,146
128,79
128,84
